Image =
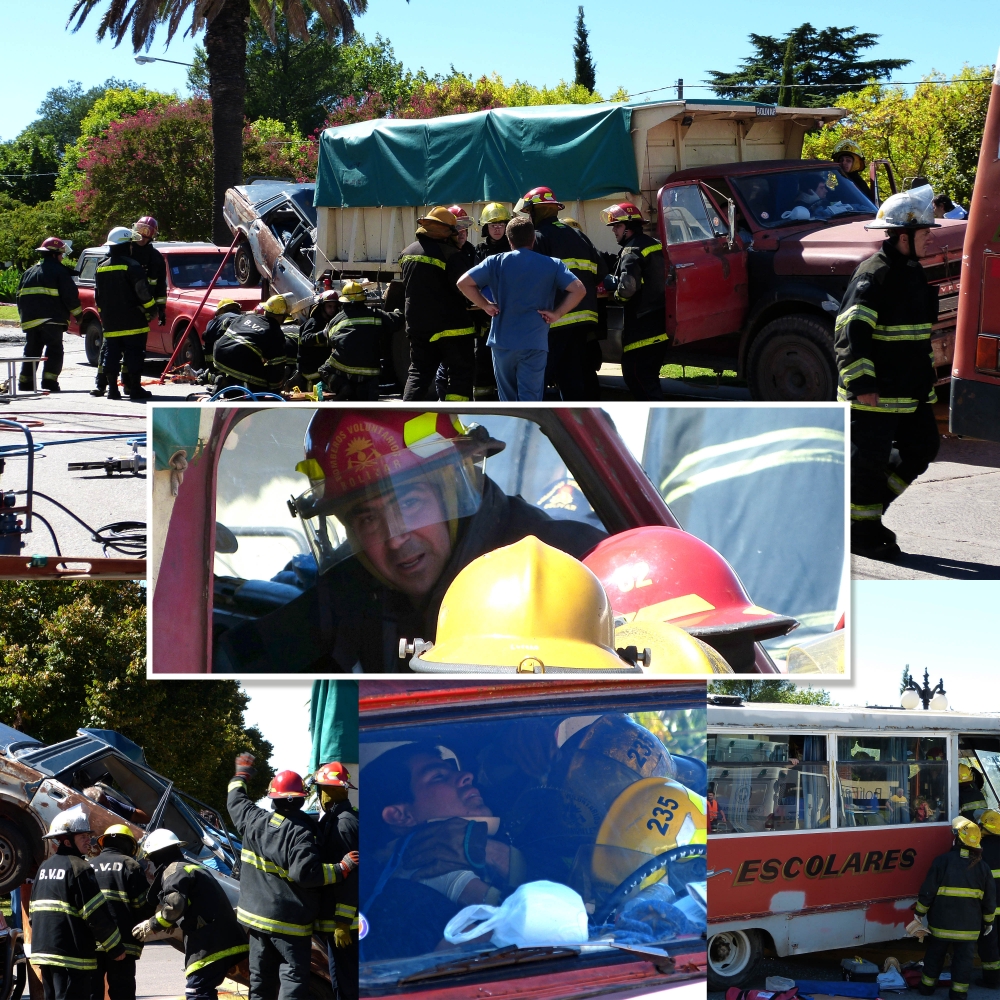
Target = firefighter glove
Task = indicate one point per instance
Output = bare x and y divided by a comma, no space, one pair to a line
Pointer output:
244,766
341,937
348,863
610,283
144,931
453,845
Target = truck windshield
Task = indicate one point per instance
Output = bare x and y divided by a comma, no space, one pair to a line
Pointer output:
787,197
196,270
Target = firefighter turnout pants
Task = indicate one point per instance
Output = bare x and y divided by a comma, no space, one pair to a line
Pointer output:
204,984
59,983
564,367
102,367
130,349
279,964
644,347
961,965
342,387
878,475
989,956
344,969
120,976
47,337
456,353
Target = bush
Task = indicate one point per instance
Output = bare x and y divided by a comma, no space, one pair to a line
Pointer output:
23,227
9,278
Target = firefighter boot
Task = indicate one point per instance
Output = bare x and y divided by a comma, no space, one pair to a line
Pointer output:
113,390
139,395
873,540
100,385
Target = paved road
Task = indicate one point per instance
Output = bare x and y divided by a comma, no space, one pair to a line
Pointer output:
160,972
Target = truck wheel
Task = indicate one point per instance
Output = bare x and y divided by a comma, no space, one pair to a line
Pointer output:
733,957
191,353
244,265
93,338
792,360
15,856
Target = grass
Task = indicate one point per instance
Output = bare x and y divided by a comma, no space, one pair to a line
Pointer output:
8,312
701,376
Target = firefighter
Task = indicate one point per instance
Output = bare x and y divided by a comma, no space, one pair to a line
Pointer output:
570,334
46,299
225,313
314,345
637,284
338,904
124,885
989,948
882,339
153,263
851,160
439,327
126,305
970,791
70,919
494,231
357,341
959,898
493,223
188,897
282,873
252,351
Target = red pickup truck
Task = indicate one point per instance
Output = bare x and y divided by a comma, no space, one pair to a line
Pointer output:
190,269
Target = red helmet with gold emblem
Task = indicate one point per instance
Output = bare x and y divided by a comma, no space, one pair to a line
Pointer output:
375,474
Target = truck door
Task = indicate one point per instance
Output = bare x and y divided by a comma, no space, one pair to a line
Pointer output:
706,289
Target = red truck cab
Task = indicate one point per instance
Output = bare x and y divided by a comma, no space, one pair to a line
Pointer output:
190,269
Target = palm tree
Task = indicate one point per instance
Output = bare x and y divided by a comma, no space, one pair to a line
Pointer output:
225,26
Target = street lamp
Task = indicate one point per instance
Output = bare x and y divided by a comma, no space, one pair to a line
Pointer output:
932,698
142,60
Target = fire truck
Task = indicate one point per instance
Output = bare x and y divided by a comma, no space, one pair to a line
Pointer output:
825,820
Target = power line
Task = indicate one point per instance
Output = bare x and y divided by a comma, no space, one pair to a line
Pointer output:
806,86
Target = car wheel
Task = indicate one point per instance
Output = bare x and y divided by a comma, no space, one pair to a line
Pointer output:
191,353
792,360
245,266
733,957
93,338
15,856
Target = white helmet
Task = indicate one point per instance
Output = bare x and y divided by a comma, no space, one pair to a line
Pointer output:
68,822
160,839
913,209
122,234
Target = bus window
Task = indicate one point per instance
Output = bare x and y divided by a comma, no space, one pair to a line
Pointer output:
989,760
892,780
775,782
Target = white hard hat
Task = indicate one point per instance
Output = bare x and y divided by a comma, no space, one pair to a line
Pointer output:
913,209
68,822
158,840
122,234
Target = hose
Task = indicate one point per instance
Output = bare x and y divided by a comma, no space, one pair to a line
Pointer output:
246,394
126,537
55,542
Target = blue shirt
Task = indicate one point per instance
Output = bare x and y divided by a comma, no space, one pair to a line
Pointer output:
521,282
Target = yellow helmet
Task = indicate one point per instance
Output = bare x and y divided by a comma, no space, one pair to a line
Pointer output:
846,146
494,212
276,305
964,773
440,215
651,816
226,305
571,222
969,834
671,649
526,608
352,291
990,821
117,830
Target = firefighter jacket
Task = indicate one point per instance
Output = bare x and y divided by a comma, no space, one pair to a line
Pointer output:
314,346
156,272
47,294
124,885
189,897
338,834
490,248
861,183
217,326
970,798
883,334
640,273
70,918
991,855
958,896
282,869
434,308
356,340
253,350
122,294
555,239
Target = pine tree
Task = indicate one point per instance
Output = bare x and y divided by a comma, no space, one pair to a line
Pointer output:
586,71
904,681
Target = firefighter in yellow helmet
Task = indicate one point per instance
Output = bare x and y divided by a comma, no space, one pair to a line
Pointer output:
989,948
970,791
493,222
253,351
847,154
529,608
225,313
959,899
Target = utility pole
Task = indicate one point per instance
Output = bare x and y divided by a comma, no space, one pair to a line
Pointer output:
680,89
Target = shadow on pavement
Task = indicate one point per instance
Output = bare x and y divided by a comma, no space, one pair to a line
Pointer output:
951,569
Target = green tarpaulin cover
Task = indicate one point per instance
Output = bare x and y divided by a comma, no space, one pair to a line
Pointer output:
580,151
333,722
175,428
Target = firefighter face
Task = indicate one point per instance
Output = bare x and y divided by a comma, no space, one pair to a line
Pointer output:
497,230
915,241
460,237
619,231
84,843
440,791
846,161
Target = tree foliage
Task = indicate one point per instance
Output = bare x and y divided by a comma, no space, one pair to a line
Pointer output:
28,166
776,692
62,111
804,68
73,655
583,62
23,227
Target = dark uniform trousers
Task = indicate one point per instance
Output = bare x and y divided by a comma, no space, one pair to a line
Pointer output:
565,365
47,337
127,354
204,984
344,970
457,354
989,956
120,976
65,984
961,962
278,961
642,361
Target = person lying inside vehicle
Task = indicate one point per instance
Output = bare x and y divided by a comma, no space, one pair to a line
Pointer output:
398,505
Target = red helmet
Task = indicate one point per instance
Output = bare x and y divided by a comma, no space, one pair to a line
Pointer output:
52,244
286,785
362,464
462,220
669,575
625,212
538,196
147,226
334,774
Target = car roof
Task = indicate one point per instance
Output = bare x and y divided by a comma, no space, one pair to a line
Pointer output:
260,191
749,167
202,246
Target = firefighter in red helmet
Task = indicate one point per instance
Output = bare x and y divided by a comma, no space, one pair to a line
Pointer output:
397,505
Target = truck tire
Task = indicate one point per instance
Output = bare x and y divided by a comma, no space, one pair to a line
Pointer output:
733,957
244,265
792,360
191,353
16,862
93,338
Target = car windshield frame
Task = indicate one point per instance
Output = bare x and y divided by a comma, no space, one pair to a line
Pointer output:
774,209
210,262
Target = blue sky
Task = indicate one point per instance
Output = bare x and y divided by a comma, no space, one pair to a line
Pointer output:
639,46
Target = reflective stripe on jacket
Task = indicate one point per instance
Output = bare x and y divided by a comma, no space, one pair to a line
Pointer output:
47,294
124,887
434,306
958,896
122,294
555,239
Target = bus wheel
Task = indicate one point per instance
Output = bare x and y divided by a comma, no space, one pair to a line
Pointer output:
733,957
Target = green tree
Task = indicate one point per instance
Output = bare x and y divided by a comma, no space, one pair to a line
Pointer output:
73,655
904,680
810,66
64,108
779,692
586,71
28,166
23,227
